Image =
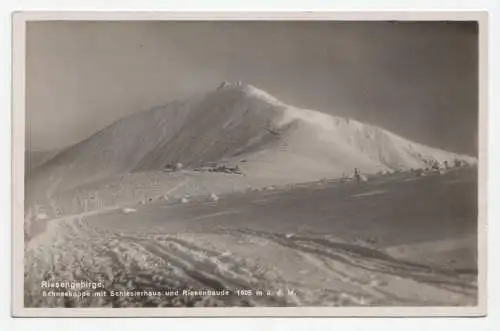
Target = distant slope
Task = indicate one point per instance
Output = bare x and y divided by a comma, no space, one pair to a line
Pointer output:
34,159
238,124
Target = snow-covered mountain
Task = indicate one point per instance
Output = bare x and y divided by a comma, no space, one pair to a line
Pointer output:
238,124
34,159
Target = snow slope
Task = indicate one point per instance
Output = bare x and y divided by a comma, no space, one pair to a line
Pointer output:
333,245
239,124
34,159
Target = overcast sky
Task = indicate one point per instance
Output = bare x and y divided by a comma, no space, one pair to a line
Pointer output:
418,80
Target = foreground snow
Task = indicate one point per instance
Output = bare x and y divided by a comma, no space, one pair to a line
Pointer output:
319,271
252,243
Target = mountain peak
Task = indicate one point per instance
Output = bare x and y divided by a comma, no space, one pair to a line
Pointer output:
250,91
225,85
233,123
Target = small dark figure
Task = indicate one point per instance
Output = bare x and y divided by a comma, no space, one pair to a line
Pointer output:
357,175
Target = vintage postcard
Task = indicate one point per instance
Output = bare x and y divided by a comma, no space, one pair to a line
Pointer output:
249,164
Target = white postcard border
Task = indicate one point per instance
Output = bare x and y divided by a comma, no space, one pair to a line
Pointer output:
19,20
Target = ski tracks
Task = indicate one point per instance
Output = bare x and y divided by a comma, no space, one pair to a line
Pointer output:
71,249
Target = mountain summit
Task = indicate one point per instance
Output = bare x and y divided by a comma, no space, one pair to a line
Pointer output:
238,124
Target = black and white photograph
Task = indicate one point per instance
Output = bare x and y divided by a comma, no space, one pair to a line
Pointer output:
202,163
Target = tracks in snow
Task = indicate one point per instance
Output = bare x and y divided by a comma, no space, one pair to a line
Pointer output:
70,249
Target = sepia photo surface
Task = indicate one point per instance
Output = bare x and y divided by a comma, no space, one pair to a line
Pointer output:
254,166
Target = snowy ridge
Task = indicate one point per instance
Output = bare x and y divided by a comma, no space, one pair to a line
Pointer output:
239,124
253,91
